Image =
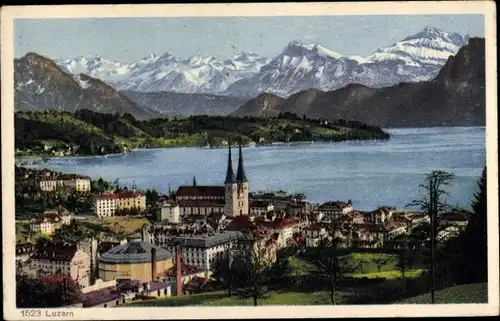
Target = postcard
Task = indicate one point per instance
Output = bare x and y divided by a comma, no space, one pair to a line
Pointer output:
208,161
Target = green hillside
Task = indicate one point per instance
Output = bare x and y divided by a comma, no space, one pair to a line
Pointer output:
221,299
90,133
468,293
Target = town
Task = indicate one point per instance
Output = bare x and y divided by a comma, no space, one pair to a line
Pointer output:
110,246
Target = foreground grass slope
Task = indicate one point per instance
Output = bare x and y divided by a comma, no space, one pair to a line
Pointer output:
221,299
468,293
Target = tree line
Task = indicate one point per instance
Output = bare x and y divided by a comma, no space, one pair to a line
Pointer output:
96,133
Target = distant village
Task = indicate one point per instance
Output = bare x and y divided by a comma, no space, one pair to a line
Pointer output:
172,255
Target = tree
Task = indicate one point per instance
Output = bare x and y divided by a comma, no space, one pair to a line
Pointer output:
381,261
404,260
329,264
255,271
433,202
224,271
47,291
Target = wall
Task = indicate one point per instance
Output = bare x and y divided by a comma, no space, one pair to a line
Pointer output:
140,271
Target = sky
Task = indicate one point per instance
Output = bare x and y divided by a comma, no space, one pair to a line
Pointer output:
130,39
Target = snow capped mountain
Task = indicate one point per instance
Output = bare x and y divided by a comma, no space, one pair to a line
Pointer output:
431,46
154,73
303,66
298,67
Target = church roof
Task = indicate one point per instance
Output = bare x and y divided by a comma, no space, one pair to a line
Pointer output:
230,173
200,191
240,176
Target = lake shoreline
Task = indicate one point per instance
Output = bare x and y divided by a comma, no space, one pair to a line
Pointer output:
254,145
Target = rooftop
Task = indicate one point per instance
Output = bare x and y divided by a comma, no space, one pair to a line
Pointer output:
185,270
204,240
200,191
120,195
133,253
55,252
334,205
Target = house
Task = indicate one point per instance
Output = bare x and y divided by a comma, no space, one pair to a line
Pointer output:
23,253
331,210
381,215
199,285
170,212
106,205
260,207
314,234
49,222
61,258
188,272
458,219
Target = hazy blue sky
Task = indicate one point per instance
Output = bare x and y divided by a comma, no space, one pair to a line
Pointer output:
129,39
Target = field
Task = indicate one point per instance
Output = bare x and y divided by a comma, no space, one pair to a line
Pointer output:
128,225
367,268
468,293
221,299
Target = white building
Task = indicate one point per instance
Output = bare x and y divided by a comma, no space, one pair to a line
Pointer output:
78,183
198,250
332,210
260,207
106,205
49,222
170,212
61,259
314,234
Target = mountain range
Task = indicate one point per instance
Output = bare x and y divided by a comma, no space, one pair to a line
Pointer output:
299,66
454,97
426,79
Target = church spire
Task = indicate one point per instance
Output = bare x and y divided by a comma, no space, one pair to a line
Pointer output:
230,173
240,176
194,181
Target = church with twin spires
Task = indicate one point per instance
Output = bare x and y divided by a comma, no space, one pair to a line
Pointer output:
231,199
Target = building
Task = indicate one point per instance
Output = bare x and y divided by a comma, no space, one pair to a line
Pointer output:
260,207
283,229
23,252
49,222
381,215
170,212
106,205
314,234
115,293
66,259
197,249
75,182
230,198
188,272
134,260
332,210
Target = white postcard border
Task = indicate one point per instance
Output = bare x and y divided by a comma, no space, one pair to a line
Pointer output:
8,14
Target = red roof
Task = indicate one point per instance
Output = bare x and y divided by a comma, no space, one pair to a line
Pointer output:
201,191
55,252
49,216
64,177
202,203
185,270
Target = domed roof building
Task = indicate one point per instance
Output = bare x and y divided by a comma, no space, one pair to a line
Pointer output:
135,260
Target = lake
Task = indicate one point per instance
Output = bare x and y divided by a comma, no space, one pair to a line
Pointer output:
369,173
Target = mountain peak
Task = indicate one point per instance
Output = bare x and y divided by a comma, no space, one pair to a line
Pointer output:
295,47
